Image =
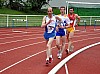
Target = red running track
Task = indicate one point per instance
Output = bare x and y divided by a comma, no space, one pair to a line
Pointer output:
22,51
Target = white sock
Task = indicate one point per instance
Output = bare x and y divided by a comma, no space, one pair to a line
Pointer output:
68,50
50,56
47,59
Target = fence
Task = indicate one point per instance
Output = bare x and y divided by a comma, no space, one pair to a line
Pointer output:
20,20
36,20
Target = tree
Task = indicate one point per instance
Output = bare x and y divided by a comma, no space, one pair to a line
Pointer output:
2,3
37,4
10,2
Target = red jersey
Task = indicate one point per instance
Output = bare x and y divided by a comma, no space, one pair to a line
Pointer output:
72,19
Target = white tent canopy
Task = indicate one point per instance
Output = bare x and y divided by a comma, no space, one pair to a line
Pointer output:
83,4
58,3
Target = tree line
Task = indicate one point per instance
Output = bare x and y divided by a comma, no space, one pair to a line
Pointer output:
22,5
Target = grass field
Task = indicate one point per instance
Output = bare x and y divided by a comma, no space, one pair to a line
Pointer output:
87,11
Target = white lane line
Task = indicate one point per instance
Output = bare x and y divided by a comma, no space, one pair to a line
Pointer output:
17,33
87,35
59,65
97,29
42,37
86,32
21,47
30,57
20,40
66,68
23,60
20,61
34,34
41,42
21,36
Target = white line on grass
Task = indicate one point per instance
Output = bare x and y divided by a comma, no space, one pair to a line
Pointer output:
59,65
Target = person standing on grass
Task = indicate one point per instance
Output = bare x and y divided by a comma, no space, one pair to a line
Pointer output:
49,23
72,16
61,33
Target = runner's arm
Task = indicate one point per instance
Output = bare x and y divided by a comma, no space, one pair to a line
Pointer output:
43,22
78,17
67,23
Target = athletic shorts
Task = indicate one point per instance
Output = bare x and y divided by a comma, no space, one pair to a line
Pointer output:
49,35
70,29
60,33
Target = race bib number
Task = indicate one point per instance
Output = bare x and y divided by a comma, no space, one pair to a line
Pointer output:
51,26
50,29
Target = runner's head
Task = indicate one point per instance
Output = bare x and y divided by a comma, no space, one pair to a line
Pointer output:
50,11
71,10
62,10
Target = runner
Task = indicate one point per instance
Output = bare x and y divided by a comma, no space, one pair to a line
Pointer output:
72,16
49,23
61,33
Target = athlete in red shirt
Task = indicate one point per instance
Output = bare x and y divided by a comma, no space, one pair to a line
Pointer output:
70,31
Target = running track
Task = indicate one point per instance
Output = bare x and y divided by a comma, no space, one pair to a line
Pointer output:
22,51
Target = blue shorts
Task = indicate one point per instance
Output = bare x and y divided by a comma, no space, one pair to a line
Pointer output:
60,33
49,35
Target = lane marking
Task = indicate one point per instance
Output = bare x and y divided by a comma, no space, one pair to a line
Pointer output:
21,36
20,61
20,32
39,43
59,65
66,68
42,37
23,60
20,40
29,57
21,47
35,34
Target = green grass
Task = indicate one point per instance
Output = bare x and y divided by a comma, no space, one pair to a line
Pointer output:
15,12
87,11
80,11
56,11
9,11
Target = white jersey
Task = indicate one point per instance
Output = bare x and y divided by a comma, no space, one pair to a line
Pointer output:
50,28
65,20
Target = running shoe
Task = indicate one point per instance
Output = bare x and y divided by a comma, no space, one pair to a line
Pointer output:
58,52
60,55
47,62
50,60
71,48
67,51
